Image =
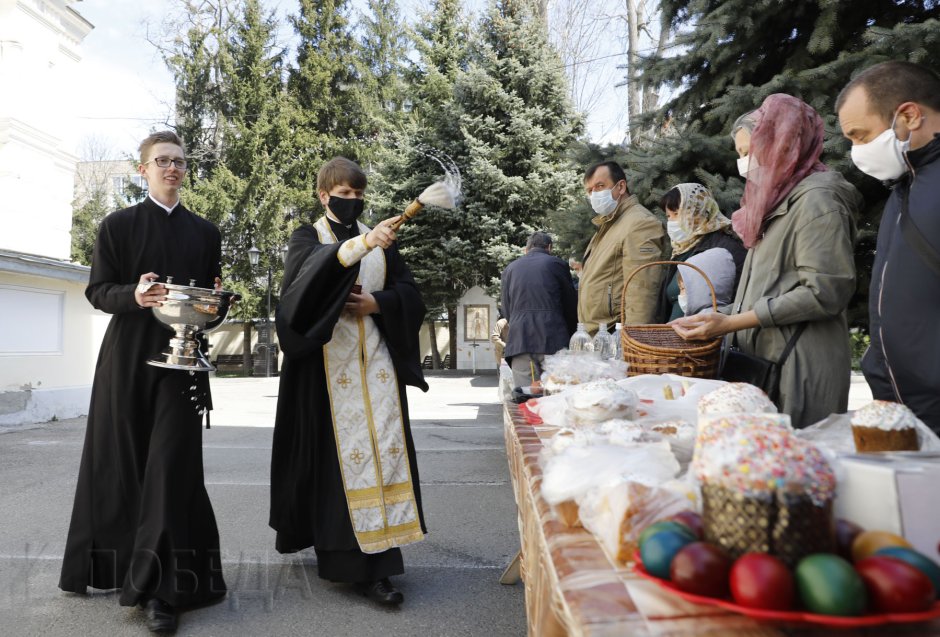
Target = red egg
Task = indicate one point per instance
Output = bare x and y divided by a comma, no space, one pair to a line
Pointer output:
895,586
759,580
702,569
693,521
846,532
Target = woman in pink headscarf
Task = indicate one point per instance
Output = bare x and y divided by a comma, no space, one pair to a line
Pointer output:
797,219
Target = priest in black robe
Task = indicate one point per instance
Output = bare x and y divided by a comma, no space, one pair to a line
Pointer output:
344,477
142,521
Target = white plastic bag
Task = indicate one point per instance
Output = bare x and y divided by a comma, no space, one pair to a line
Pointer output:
577,469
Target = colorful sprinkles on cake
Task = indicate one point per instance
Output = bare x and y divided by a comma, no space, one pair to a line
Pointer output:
751,454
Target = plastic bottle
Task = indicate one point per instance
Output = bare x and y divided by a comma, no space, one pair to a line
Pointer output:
602,343
581,340
617,342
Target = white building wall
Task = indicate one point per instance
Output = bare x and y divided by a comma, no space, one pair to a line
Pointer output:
39,51
49,340
475,353
49,333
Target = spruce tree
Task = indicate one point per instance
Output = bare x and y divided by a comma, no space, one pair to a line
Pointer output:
734,53
516,122
329,116
437,244
383,47
239,138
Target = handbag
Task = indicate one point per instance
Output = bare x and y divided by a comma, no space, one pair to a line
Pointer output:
740,367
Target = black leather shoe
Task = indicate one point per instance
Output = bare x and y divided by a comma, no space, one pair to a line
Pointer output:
161,617
381,591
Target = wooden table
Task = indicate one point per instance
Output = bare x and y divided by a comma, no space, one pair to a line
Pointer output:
572,588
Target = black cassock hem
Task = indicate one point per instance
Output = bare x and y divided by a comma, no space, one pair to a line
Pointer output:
355,566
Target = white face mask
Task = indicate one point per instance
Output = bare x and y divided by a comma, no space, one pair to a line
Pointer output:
676,233
683,301
603,202
747,164
882,157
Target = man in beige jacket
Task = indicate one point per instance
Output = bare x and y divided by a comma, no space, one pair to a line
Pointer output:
628,235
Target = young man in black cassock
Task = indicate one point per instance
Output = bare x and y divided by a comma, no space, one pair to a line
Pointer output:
343,473
142,521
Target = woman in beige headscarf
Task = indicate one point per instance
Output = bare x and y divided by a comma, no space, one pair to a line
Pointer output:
695,224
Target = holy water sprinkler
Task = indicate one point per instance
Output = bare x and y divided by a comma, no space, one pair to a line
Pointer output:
443,194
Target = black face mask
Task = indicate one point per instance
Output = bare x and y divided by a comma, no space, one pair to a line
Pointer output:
346,210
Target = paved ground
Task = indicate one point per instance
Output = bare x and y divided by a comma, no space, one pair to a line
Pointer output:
450,586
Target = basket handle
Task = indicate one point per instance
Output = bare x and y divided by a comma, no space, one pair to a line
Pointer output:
623,293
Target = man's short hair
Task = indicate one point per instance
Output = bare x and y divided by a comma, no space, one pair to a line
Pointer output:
340,171
671,200
160,137
890,84
539,239
616,171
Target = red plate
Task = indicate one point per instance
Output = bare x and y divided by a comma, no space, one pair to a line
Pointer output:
792,615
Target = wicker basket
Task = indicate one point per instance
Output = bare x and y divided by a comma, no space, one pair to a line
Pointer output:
657,349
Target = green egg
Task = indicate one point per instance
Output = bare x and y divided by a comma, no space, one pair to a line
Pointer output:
829,585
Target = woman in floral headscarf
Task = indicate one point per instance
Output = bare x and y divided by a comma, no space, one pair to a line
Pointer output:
695,224
797,219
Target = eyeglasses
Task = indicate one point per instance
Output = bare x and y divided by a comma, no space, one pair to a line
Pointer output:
164,162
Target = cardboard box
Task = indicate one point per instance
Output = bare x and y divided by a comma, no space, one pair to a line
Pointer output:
895,492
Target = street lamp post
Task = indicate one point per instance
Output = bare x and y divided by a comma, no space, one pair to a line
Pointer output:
254,256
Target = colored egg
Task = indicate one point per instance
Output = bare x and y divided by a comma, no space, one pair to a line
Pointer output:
759,580
659,549
918,560
664,525
894,586
692,520
702,569
846,532
828,585
867,542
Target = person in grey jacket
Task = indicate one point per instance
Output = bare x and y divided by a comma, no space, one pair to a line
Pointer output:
797,219
878,108
541,305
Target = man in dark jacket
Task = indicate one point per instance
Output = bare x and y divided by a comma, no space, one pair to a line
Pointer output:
541,305
891,114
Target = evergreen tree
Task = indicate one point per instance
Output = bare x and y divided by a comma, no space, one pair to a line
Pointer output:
384,50
234,116
329,116
86,217
244,193
734,53
516,122
500,110
436,244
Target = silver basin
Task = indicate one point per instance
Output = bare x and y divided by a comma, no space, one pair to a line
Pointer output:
189,311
